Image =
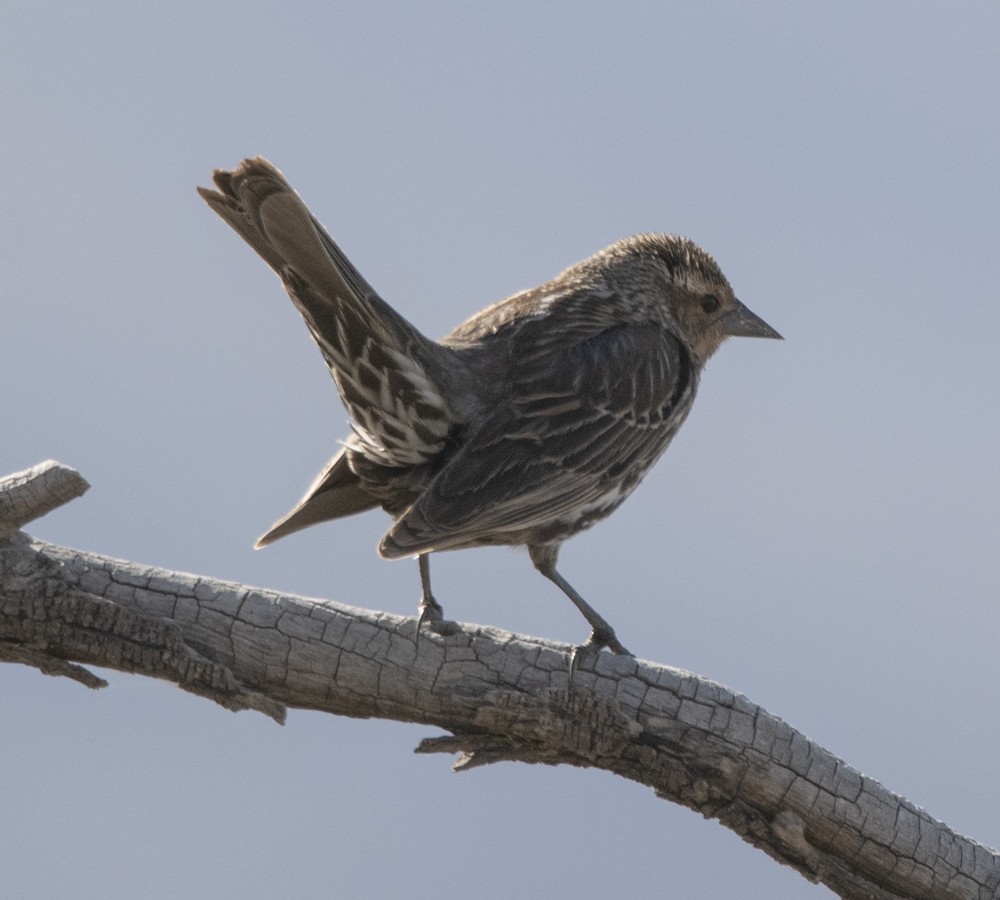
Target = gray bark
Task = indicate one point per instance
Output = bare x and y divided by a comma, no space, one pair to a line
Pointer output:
500,696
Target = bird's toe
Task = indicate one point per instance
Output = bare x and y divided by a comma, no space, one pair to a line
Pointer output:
432,615
601,638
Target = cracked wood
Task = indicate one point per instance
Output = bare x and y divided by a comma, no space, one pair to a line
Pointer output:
502,697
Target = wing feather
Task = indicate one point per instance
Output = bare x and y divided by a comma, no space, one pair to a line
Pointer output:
579,430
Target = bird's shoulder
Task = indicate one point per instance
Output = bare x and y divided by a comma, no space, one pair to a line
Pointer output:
586,308
577,339
635,371
564,310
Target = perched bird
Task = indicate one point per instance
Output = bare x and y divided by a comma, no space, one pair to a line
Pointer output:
528,423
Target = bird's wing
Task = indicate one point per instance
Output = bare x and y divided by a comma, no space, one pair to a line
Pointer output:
582,426
386,371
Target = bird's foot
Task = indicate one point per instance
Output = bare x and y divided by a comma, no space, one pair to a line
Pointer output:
606,637
432,615
599,639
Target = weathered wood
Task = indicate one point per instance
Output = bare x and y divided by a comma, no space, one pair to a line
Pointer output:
29,495
502,697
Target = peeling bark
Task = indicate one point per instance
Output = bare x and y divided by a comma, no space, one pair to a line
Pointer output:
501,696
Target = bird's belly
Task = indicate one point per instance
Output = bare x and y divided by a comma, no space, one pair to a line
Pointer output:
587,513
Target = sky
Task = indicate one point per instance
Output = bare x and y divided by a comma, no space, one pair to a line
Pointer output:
822,535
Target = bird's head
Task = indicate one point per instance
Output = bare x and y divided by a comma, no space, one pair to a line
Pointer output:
679,280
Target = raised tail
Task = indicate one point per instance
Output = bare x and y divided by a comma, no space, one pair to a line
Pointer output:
392,379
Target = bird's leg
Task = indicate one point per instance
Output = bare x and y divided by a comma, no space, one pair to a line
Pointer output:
601,633
430,610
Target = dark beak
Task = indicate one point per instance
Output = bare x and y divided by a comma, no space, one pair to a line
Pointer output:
740,322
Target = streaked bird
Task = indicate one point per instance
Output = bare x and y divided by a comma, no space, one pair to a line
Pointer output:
528,423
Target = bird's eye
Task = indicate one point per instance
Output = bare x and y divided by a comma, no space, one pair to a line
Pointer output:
709,303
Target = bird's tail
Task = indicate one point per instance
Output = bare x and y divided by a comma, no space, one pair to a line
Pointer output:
336,492
390,377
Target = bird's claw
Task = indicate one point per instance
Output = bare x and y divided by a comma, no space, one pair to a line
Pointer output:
599,639
432,615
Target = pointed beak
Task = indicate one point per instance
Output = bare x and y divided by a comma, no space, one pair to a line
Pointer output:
740,322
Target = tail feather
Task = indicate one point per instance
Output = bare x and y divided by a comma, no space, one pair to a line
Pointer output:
336,492
390,377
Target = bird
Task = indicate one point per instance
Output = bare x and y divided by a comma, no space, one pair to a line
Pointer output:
528,423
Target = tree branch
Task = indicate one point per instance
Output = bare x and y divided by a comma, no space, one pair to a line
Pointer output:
29,495
501,697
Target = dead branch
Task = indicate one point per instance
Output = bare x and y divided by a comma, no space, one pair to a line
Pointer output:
501,696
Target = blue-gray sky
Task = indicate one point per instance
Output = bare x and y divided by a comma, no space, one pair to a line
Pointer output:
822,535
